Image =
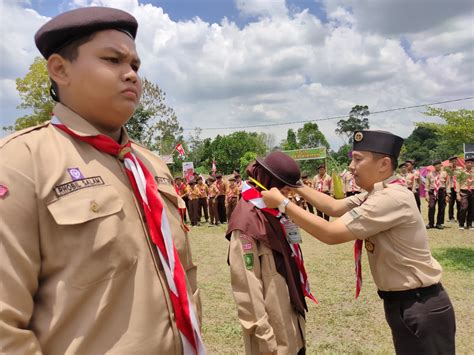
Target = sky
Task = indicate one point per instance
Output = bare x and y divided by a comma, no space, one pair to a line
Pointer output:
240,63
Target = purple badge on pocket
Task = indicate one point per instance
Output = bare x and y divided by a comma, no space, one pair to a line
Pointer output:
75,173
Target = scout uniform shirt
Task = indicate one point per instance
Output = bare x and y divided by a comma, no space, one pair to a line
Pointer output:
193,192
261,294
395,237
222,187
413,180
349,183
465,180
203,190
437,180
79,271
323,184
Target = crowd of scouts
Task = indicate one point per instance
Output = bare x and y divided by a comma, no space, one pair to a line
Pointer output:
213,198
95,252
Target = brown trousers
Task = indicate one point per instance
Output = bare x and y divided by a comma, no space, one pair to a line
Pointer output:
422,326
214,216
322,215
194,211
202,208
466,212
231,203
441,201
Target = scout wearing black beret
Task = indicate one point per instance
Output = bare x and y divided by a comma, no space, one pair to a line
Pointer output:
453,158
72,25
436,162
378,142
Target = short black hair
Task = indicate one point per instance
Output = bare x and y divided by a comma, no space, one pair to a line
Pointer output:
393,160
69,52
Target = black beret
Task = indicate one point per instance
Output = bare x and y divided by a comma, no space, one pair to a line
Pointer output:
72,25
401,165
411,161
453,158
322,166
282,167
436,162
377,142
469,159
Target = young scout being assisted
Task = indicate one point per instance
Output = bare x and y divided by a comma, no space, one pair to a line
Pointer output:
386,218
266,265
94,255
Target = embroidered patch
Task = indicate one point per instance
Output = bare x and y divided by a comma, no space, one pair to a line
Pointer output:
163,180
369,246
75,174
72,186
248,258
3,191
358,136
247,246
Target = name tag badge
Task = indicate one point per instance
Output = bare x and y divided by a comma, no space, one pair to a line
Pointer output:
292,231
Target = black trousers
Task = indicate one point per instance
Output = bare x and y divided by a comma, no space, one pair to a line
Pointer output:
416,193
425,325
186,201
452,202
466,213
310,207
221,211
322,215
441,202
194,211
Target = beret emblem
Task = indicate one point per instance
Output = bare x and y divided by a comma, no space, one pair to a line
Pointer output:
358,136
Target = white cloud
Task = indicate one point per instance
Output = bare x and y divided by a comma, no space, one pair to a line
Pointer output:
259,8
286,67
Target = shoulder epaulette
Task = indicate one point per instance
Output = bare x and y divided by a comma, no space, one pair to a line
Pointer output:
22,132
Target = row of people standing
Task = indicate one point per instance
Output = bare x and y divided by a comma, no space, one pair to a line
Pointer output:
213,198
445,186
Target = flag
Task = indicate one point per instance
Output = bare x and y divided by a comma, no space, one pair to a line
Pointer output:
180,149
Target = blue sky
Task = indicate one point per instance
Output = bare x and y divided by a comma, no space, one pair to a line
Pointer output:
243,62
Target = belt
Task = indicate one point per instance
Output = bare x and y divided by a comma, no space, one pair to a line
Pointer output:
413,294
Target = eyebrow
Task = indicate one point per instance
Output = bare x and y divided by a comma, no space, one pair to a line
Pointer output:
123,55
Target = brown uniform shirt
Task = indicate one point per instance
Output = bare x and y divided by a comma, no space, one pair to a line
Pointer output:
268,320
322,184
467,182
413,180
395,237
203,190
79,273
444,181
349,183
222,187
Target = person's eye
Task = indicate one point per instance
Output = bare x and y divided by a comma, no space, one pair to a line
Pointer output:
112,60
135,67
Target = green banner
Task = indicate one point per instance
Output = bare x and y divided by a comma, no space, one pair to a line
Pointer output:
307,154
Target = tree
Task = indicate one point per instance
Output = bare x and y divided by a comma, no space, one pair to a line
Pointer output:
34,93
357,121
311,137
457,129
155,124
421,145
290,143
245,160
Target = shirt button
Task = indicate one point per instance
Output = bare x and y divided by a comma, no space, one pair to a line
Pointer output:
94,207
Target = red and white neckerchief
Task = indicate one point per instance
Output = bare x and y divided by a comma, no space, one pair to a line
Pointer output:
252,195
320,185
146,192
358,250
437,182
352,184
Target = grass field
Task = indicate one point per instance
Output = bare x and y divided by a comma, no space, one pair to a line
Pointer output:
339,324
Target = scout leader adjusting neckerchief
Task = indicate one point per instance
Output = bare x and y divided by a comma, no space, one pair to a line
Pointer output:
358,250
252,195
146,191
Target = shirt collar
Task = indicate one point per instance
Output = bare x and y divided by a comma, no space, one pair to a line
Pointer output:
79,125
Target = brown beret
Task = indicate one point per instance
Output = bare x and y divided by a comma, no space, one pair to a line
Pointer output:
377,142
72,25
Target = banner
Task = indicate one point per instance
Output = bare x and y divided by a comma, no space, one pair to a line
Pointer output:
180,150
307,154
188,170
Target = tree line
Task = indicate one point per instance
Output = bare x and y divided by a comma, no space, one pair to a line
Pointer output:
156,125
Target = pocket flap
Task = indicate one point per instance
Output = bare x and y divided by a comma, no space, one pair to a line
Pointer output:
85,205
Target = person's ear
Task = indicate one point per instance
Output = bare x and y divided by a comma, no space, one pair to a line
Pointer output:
58,69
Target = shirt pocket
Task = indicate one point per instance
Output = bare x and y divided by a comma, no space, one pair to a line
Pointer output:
92,228
267,263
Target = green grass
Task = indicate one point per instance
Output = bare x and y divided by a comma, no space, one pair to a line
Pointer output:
339,324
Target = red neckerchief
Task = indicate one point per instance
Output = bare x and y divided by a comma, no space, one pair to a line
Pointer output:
146,192
252,195
358,250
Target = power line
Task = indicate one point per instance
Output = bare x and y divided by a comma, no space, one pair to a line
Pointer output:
330,117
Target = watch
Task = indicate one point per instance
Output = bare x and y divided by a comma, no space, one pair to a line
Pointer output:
282,205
